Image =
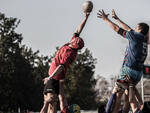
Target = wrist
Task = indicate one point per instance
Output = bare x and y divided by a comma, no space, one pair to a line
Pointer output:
106,19
49,77
118,19
86,17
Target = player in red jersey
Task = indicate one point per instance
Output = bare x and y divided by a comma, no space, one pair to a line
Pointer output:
55,82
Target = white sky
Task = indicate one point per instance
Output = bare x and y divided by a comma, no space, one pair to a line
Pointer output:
46,24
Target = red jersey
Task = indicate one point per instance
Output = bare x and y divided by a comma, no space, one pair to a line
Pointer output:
64,56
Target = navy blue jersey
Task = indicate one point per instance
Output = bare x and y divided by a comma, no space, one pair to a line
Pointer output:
136,51
111,103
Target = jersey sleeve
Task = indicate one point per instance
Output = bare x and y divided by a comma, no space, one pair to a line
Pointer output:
130,35
122,32
127,34
110,103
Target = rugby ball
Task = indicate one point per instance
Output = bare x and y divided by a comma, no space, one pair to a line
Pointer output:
87,6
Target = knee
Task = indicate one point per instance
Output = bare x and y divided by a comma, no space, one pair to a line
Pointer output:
50,99
131,99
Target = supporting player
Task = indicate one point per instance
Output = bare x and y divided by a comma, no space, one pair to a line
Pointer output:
134,59
126,105
54,88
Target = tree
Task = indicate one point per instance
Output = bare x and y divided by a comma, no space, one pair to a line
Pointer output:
19,69
39,70
103,89
80,81
9,55
22,71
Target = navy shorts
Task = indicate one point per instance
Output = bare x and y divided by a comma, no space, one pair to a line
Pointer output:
133,74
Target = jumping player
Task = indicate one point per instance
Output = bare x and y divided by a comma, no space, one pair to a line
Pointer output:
136,54
54,88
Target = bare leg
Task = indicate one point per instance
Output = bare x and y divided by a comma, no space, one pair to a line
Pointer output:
52,108
126,105
50,103
45,106
118,101
139,99
62,98
132,99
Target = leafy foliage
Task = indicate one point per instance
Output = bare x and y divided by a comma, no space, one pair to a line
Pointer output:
22,71
80,81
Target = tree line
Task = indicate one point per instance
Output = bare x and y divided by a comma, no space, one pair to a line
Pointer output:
22,71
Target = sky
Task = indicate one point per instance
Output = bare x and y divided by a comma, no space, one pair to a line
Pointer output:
46,24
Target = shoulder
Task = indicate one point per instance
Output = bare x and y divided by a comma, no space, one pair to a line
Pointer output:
131,35
131,31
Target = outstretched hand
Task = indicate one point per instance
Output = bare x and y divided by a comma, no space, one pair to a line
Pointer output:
114,14
115,90
102,14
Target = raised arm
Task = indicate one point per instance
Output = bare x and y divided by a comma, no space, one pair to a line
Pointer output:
121,23
101,14
81,26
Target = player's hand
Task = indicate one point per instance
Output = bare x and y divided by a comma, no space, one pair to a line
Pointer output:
102,14
87,14
45,80
115,90
114,14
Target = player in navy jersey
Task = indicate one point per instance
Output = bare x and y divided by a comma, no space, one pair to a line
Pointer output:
135,56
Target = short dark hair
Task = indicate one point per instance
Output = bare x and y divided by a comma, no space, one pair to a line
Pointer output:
144,28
